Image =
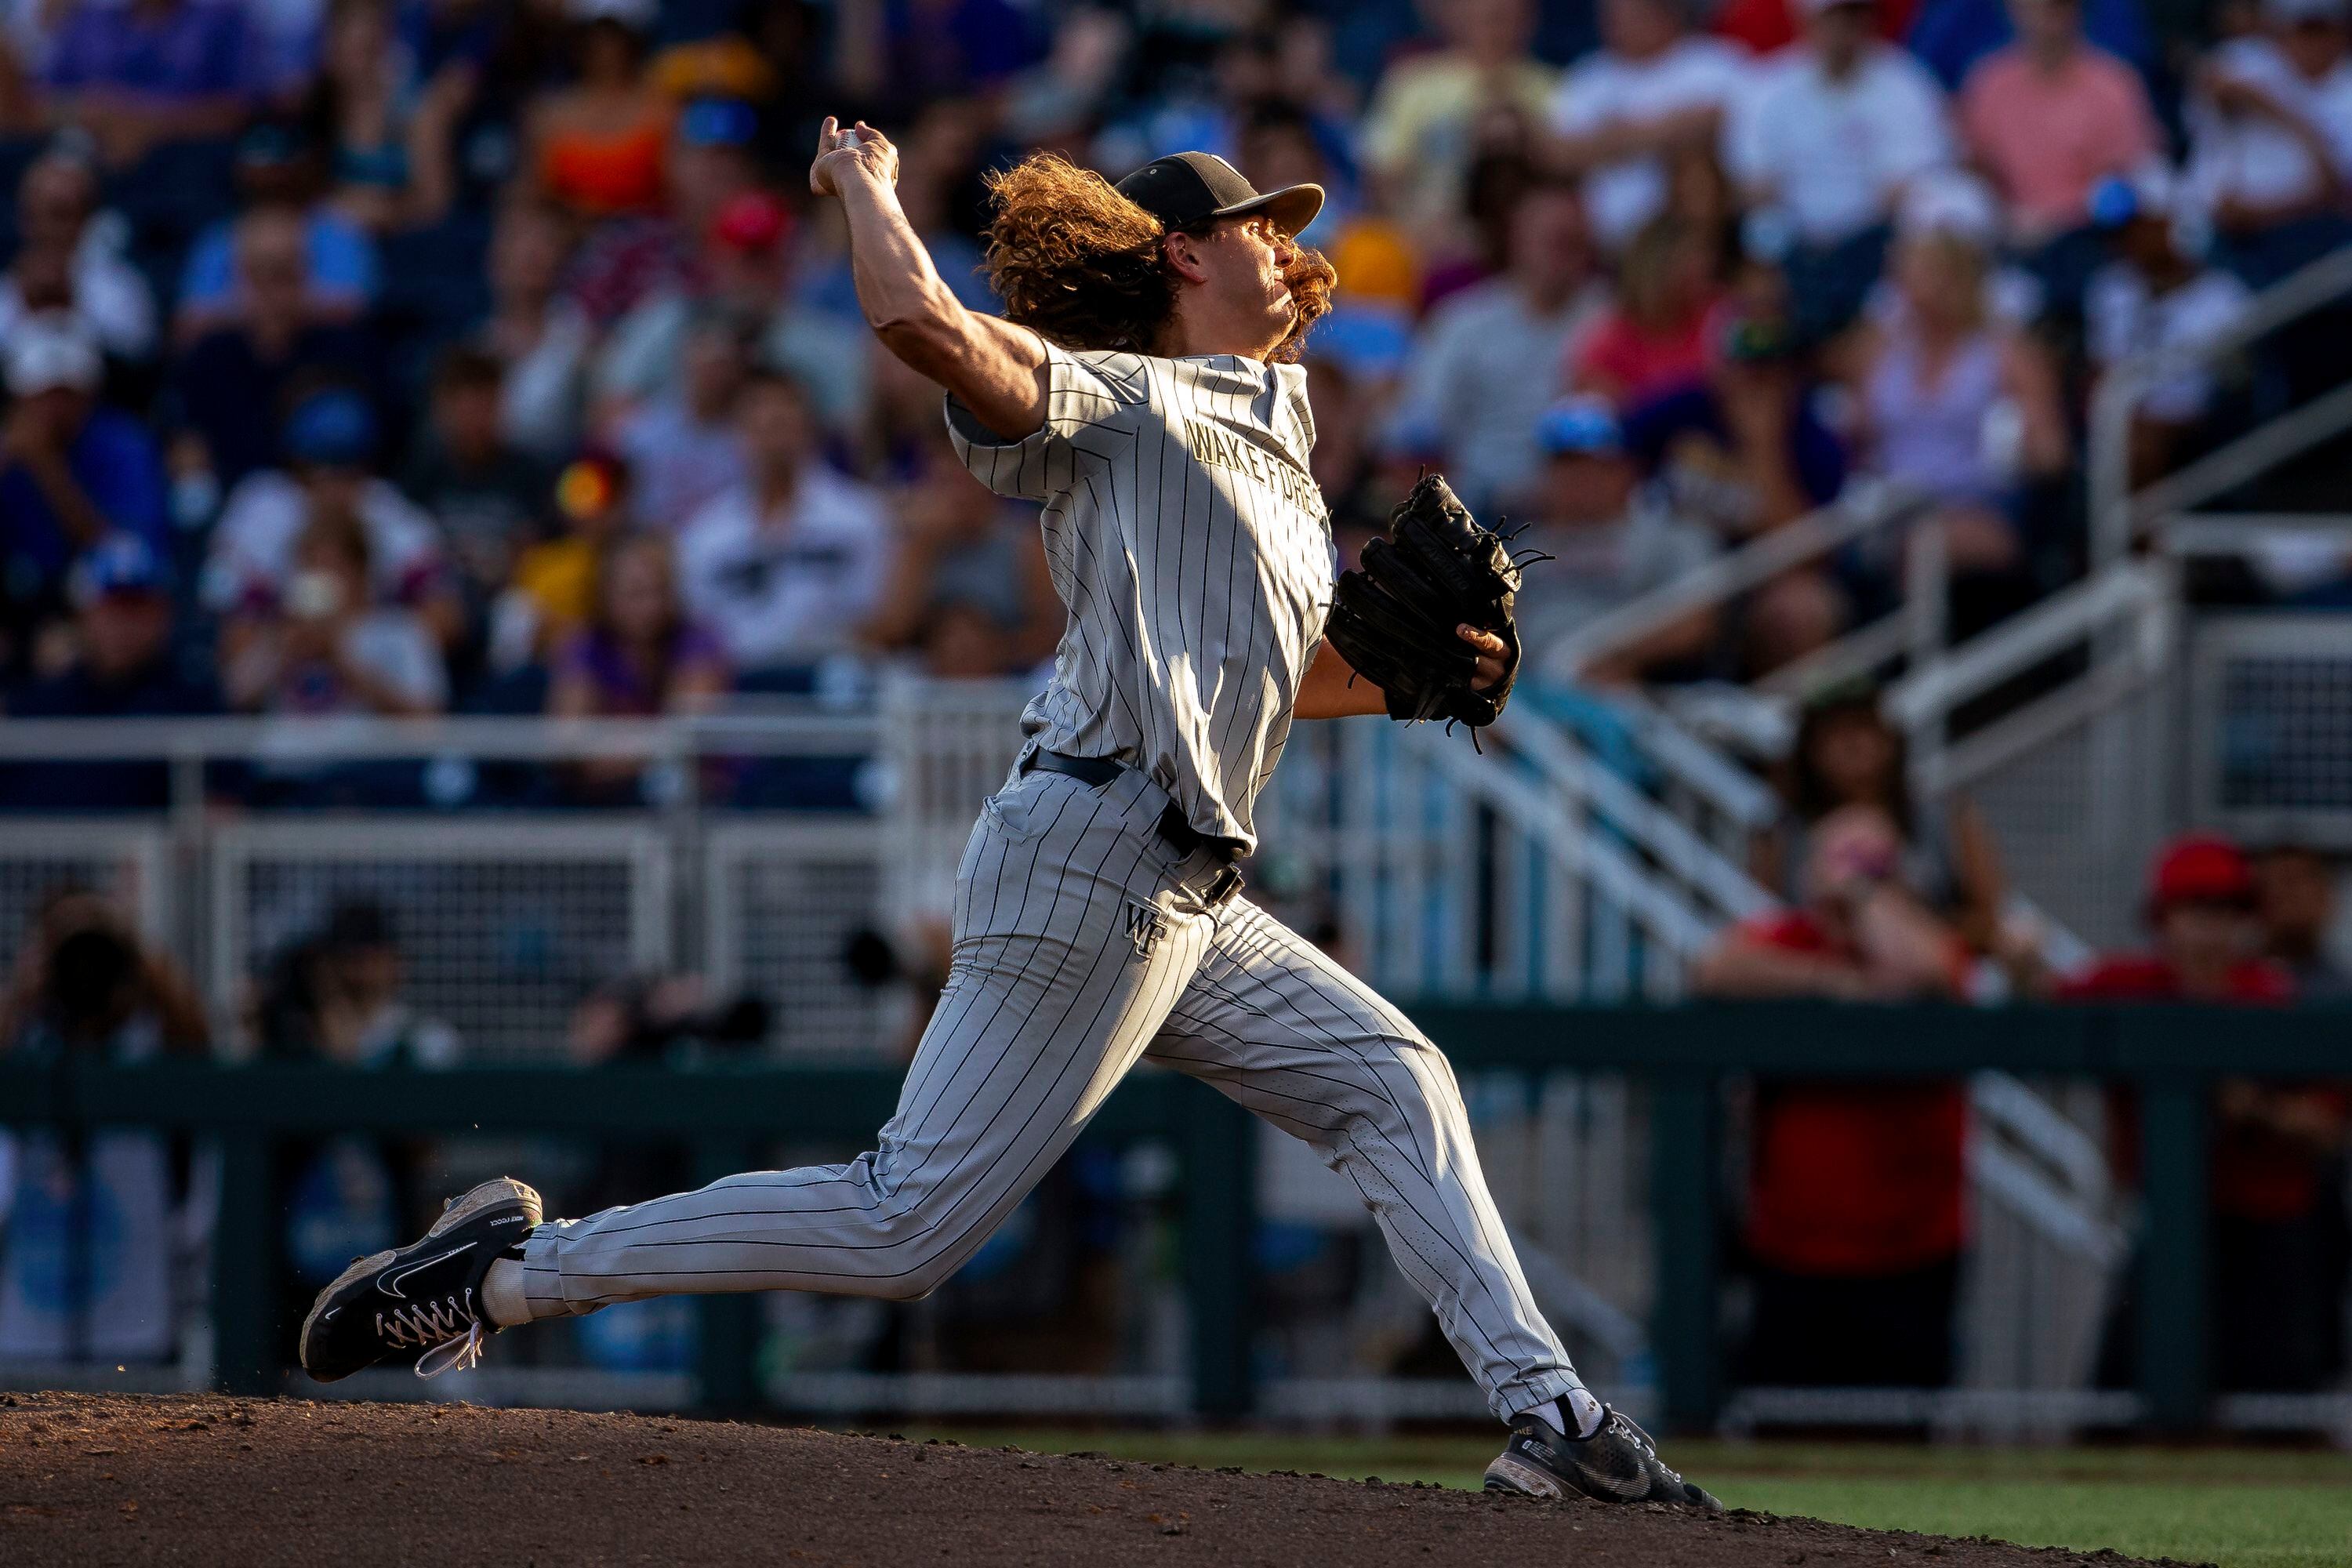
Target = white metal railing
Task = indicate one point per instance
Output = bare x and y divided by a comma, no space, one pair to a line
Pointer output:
1867,511
2117,514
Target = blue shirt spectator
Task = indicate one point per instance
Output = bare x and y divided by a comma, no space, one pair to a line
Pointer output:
343,276
122,668
230,385
71,470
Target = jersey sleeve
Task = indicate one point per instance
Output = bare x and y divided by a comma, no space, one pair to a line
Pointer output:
1093,403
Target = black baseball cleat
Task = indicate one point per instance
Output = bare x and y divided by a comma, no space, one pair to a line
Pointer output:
1618,1463
427,1298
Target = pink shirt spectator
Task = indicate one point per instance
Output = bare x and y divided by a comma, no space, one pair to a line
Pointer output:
2047,138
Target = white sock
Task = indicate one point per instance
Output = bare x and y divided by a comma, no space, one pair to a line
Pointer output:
502,1297
1581,1403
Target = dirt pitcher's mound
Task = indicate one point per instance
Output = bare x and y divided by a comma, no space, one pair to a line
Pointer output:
211,1480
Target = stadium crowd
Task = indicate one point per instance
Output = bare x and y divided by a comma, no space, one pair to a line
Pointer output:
398,356
409,356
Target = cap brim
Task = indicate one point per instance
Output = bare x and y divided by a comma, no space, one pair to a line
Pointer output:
1292,208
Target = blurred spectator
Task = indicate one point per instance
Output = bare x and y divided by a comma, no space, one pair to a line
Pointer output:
122,663
230,386
252,569
101,1226
905,55
1747,449
484,495
1827,141
1346,459
387,138
1855,1190
85,980
279,169
340,995
1488,361
968,582
143,73
1952,38
638,655
1421,130
2262,157
747,278
72,471
669,1019
1655,340
787,566
336,996
553,593
2295,899
1847,753
708,164
684,447
1055,101
70,257
2200,904
2050,116
596,147
540,335
2157,293
1652,90
326,647
1953,403
2280,1243
1612,538
120,666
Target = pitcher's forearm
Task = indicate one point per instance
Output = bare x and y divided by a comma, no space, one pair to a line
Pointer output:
899,288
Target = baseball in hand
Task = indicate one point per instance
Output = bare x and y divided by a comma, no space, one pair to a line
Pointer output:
850,152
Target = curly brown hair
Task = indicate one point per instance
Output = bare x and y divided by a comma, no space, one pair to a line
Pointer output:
1081,265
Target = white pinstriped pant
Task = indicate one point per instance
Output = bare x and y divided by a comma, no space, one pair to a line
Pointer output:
1082,945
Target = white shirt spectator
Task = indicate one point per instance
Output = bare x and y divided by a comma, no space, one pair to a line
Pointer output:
2250,157
794,585
679,464
1606,90
541,403
823,352
110,297
252,552
2123,317
1485,368
1836,155
394,648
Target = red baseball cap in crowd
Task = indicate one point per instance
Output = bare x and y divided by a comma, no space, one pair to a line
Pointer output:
2199,868
751,221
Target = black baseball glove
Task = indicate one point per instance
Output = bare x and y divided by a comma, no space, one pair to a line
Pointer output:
1394,621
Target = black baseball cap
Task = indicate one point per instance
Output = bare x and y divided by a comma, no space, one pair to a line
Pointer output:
1188,188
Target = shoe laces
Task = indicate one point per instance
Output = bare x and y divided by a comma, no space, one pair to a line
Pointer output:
461,1354
1639,1438
448,1329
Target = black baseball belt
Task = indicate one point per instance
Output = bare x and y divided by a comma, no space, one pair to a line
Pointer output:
1095,772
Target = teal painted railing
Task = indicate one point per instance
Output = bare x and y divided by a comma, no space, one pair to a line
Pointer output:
2172,1056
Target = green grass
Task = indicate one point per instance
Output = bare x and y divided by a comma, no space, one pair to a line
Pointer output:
2242,1508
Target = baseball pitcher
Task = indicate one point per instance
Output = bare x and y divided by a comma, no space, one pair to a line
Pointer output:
1143,385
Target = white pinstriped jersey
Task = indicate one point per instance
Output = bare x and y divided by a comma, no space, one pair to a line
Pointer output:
1194,552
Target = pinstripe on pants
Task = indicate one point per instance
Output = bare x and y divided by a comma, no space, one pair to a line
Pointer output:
1083,944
